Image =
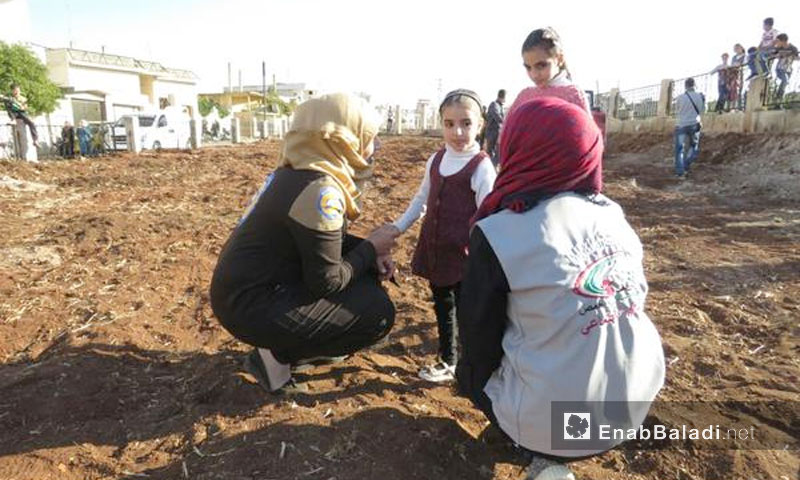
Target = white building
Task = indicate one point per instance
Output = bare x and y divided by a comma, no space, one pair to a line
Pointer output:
103,87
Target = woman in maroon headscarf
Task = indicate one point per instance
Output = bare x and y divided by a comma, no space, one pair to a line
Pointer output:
552,301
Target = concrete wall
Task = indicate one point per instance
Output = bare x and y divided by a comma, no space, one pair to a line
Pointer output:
754,119
775,121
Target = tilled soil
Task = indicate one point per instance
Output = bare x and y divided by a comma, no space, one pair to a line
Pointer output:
113,365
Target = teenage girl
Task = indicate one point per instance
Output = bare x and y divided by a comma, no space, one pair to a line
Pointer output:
543,58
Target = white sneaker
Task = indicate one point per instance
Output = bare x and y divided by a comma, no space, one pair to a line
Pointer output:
545,469
438,372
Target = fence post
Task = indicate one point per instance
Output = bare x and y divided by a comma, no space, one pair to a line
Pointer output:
196,132
755,94
665,98
132,132
613,102
236,131
398,120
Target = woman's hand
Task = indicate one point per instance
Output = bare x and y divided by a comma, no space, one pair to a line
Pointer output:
386,267
383,239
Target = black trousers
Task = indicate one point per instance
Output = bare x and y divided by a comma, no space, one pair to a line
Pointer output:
31,126
445,300
295,326
491,145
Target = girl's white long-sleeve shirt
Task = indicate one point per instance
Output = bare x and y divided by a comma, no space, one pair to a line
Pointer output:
481,182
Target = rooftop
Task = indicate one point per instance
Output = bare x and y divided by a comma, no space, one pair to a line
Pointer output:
126,63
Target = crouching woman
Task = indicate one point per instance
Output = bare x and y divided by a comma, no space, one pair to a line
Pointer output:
552,305
290,281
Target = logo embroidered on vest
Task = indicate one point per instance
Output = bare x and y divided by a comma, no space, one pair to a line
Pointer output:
596,280
611,282
330,203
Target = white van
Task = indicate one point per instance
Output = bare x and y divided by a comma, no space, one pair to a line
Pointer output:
168,128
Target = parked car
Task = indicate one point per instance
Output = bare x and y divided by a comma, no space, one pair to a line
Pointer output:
168,128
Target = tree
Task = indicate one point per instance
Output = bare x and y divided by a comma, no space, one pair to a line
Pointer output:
223,112
205,105
18,65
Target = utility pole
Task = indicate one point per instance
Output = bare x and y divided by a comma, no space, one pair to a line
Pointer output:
230,87
264,88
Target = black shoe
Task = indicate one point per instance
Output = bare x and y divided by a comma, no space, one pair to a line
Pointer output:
308,363
254,365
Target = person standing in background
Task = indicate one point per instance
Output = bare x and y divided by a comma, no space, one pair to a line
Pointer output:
494,120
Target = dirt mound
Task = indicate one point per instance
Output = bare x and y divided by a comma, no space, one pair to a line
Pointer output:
730,165
114,367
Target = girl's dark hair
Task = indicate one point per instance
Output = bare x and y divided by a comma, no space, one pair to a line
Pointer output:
547,39
462,96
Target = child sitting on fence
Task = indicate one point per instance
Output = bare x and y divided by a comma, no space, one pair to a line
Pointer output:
757,64
787,54
457,179
17,107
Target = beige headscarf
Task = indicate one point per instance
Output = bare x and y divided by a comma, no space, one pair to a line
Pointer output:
329,134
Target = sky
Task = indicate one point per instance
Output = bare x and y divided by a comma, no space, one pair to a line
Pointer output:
402,51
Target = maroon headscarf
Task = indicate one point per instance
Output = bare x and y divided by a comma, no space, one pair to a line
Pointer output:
549,146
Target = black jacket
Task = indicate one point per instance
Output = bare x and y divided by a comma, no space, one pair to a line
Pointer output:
294,234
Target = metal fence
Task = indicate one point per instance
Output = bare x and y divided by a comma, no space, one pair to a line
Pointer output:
600,102
57,141
724,91
639,102
101,138
782,92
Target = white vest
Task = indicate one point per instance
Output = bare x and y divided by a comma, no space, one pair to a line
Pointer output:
577,328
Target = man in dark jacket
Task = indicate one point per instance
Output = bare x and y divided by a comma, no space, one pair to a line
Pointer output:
494,120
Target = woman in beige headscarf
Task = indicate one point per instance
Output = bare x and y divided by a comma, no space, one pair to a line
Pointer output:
290,281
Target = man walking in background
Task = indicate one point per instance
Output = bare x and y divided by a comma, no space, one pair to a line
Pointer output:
688,107
494,119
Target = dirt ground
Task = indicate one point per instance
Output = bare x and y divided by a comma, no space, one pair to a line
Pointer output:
113,365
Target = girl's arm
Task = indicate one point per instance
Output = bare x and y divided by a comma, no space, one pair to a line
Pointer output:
482,181
416,209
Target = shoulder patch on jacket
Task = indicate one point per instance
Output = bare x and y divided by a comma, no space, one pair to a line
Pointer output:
320,206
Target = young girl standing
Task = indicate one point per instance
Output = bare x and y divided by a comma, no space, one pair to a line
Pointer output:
543,58
457,179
